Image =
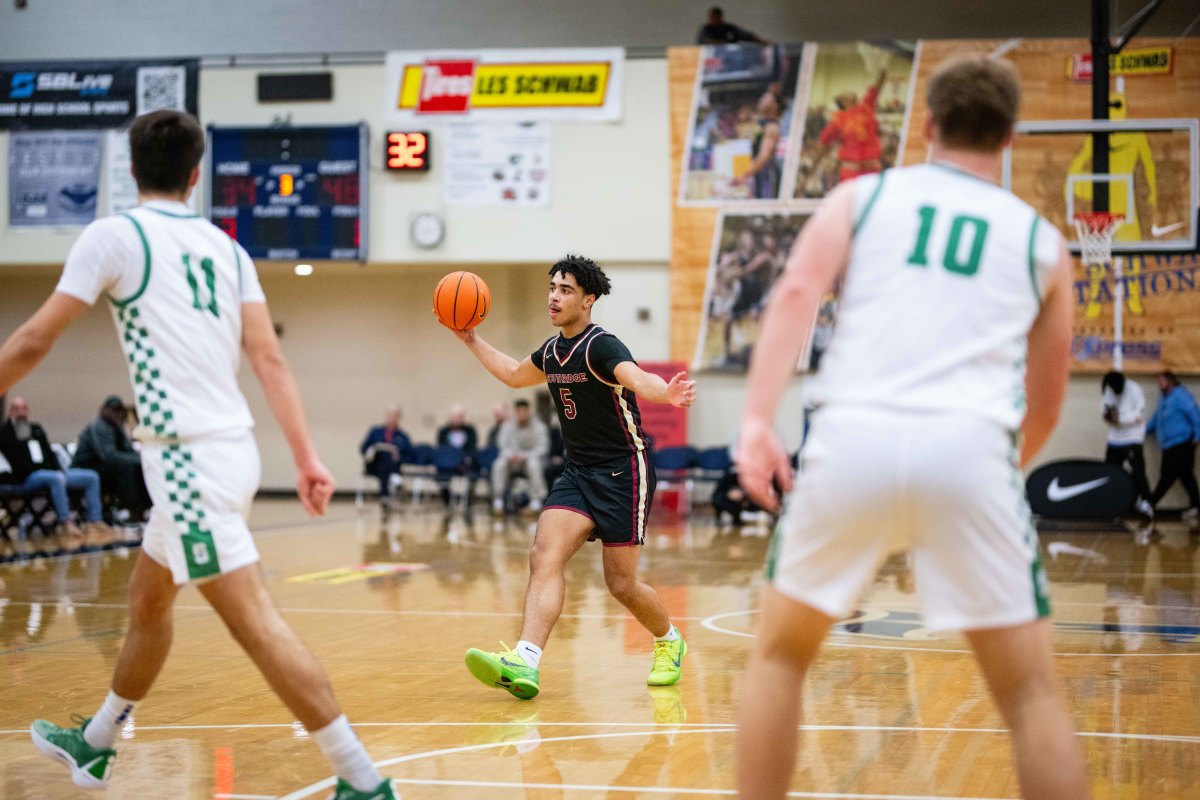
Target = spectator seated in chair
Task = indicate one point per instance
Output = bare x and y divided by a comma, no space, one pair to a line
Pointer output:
524,443
384,449
35,467
730,500
106,448
460,435
499,417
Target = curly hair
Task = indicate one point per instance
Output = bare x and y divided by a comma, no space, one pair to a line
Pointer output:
587,274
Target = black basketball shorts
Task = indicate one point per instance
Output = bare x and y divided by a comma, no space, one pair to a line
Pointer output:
615,495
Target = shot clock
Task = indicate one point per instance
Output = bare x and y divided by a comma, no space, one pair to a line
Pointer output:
406,151
291,193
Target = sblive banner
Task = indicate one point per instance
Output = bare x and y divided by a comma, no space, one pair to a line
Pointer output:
53,178
53,95
515,85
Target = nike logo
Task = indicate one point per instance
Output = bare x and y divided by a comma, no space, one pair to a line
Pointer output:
1163,230
615,474
1058,493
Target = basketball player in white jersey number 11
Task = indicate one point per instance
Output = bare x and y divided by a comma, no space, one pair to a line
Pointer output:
945,374
186,301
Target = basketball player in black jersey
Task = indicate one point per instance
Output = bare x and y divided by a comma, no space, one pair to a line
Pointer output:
606,489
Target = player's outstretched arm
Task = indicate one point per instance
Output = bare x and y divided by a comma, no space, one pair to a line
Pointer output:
1049,360
315,485
507,369
30,343
817,257
679,391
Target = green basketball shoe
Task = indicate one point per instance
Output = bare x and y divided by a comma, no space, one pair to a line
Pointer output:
384,791
90,767
668,662
505,670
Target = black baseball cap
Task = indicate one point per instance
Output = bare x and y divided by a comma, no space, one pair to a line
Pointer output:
114,402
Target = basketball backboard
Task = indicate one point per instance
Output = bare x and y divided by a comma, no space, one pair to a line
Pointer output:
1153,178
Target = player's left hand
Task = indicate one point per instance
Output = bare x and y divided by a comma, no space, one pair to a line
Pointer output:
680,391
764,469
467,336
315,487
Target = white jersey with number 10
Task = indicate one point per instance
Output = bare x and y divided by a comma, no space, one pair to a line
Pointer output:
943,282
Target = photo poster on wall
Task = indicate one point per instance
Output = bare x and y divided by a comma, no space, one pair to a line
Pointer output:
497,164
825,112
749,252
743,108
53,178
855,104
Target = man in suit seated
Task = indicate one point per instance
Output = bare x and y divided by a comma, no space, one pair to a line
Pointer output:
384,449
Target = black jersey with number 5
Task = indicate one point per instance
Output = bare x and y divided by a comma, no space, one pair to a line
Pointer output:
600,418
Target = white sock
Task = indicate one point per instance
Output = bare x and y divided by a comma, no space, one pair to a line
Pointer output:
101,732
530,652
347,755
670,636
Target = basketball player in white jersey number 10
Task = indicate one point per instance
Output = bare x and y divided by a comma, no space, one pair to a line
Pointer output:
186,301
945,374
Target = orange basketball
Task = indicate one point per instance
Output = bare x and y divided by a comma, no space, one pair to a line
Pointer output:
461,300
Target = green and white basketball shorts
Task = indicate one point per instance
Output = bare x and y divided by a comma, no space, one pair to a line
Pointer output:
944,486
202,489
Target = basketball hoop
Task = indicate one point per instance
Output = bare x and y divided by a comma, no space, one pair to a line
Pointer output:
1095,230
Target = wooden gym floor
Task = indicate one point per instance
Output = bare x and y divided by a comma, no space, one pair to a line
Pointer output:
390,608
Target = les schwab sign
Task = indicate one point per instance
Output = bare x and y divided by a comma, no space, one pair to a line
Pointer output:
511,85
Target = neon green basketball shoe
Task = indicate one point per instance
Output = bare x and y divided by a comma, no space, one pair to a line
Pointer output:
505,670
668,662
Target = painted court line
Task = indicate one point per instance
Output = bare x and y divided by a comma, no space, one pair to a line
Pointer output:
711,624
680,727
671,790
369,612
312,789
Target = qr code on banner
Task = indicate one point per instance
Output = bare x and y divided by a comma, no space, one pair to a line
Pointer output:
160,88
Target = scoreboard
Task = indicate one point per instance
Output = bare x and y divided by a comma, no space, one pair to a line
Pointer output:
291,193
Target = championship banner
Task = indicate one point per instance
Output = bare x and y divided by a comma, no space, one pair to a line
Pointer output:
513,85
53,178
56,95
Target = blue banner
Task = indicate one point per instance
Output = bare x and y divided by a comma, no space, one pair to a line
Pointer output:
55,95
53,178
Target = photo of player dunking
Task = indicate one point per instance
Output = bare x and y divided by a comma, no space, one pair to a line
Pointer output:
851,131
186,300
946,376
608,484
854,132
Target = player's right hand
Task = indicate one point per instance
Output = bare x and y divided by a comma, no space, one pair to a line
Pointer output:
315,487
764,469
468,337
